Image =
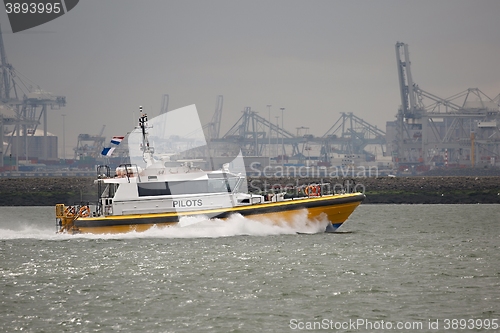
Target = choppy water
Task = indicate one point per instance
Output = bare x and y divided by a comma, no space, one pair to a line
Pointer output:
405,264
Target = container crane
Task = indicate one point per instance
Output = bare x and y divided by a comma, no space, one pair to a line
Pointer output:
213,127
440,129
29,108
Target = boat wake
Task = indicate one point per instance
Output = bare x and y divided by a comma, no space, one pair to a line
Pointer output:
28,231
189,227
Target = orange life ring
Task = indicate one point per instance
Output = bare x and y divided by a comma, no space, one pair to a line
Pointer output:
312,190
84,211
70,211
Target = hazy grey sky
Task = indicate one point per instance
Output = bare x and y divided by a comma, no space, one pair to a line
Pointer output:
314,58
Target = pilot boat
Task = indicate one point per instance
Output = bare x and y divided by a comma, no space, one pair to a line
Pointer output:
159,192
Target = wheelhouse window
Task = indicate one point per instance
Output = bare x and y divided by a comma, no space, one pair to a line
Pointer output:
218,185
213,185
108,191
153,189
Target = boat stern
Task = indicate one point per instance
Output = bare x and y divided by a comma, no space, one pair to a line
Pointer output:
65,218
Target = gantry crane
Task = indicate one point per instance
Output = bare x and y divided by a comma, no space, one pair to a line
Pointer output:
439,130
350,135
164,104
89,145
28,108
213,127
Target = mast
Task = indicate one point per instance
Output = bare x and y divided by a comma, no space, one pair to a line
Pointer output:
147,151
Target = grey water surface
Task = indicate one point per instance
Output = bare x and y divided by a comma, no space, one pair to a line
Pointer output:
404,268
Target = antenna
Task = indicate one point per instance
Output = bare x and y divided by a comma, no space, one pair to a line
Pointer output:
147,152
143,118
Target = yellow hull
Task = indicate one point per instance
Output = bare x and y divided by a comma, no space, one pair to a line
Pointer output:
335,208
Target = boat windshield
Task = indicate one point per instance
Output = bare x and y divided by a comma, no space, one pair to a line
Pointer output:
216,185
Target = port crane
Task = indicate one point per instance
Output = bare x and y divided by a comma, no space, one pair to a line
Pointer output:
24,108
460,129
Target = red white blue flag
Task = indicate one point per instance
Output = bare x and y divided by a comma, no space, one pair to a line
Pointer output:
116,140
107,151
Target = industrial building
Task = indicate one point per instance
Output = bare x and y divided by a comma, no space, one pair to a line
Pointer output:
428,132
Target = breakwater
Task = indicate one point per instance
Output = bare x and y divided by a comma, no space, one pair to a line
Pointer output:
406,190
47,191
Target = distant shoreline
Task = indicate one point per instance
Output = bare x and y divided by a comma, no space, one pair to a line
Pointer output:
48,191
412,190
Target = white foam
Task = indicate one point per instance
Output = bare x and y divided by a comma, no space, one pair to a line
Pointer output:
189,227
30,232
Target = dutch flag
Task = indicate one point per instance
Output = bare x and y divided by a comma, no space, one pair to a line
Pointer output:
116,140
107,151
